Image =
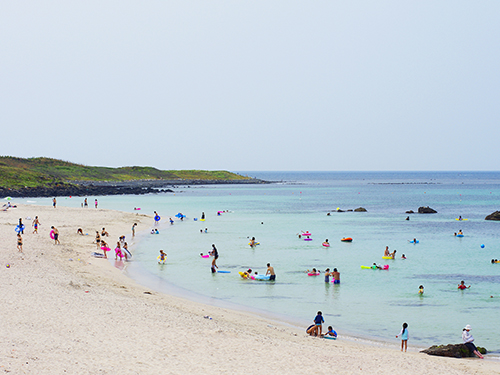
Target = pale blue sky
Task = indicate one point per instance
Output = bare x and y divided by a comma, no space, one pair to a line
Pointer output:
253,85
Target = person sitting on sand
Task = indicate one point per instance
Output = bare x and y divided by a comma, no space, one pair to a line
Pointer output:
462,286
104,233
386,252
336,276
79,231
331,332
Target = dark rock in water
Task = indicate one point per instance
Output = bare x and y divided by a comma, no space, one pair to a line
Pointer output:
360,209
350,210
452,350
339,210
426,210
409,212
494,216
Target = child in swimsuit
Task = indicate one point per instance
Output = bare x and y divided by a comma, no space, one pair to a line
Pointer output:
331,332
19,242
118,251
162,258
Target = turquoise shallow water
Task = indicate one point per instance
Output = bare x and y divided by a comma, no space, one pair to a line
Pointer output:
366,303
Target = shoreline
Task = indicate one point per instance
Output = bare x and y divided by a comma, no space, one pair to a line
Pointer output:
86,316
104,188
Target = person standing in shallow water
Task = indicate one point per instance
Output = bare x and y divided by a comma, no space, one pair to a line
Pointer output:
336,276
215,254
270,272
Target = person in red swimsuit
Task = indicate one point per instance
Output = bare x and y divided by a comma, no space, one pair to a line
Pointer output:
462,285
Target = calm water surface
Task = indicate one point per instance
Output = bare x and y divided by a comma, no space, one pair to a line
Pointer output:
367,303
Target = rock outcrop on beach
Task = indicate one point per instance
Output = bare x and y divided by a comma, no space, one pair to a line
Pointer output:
494,216
64,189
452,350
426,210
359,209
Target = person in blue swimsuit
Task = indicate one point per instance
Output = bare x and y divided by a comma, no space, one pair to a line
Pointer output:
404,336
318,321
327,275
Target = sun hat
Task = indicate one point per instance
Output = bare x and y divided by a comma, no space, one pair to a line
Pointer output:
467,327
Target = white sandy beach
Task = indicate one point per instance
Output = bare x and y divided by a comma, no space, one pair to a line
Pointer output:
84,316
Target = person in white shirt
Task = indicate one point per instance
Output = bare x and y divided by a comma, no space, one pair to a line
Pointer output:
468,339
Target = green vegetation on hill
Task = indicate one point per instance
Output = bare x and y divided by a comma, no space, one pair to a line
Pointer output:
33,172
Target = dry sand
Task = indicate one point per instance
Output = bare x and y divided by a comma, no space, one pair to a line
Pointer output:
86,317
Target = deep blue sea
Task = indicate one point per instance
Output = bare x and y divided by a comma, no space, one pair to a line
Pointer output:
367,303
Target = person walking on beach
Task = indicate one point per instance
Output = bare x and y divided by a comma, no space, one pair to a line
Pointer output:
19,243
270,271
404,336
55,233
35,225
118,251
54,202
21,226
215,254
133,229
95,203
85,203
468,339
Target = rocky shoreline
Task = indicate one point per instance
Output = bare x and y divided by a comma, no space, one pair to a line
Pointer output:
100,188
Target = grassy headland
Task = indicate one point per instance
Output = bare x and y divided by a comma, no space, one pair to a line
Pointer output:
17,173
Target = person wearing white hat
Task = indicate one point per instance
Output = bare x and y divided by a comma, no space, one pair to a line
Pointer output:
468,339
